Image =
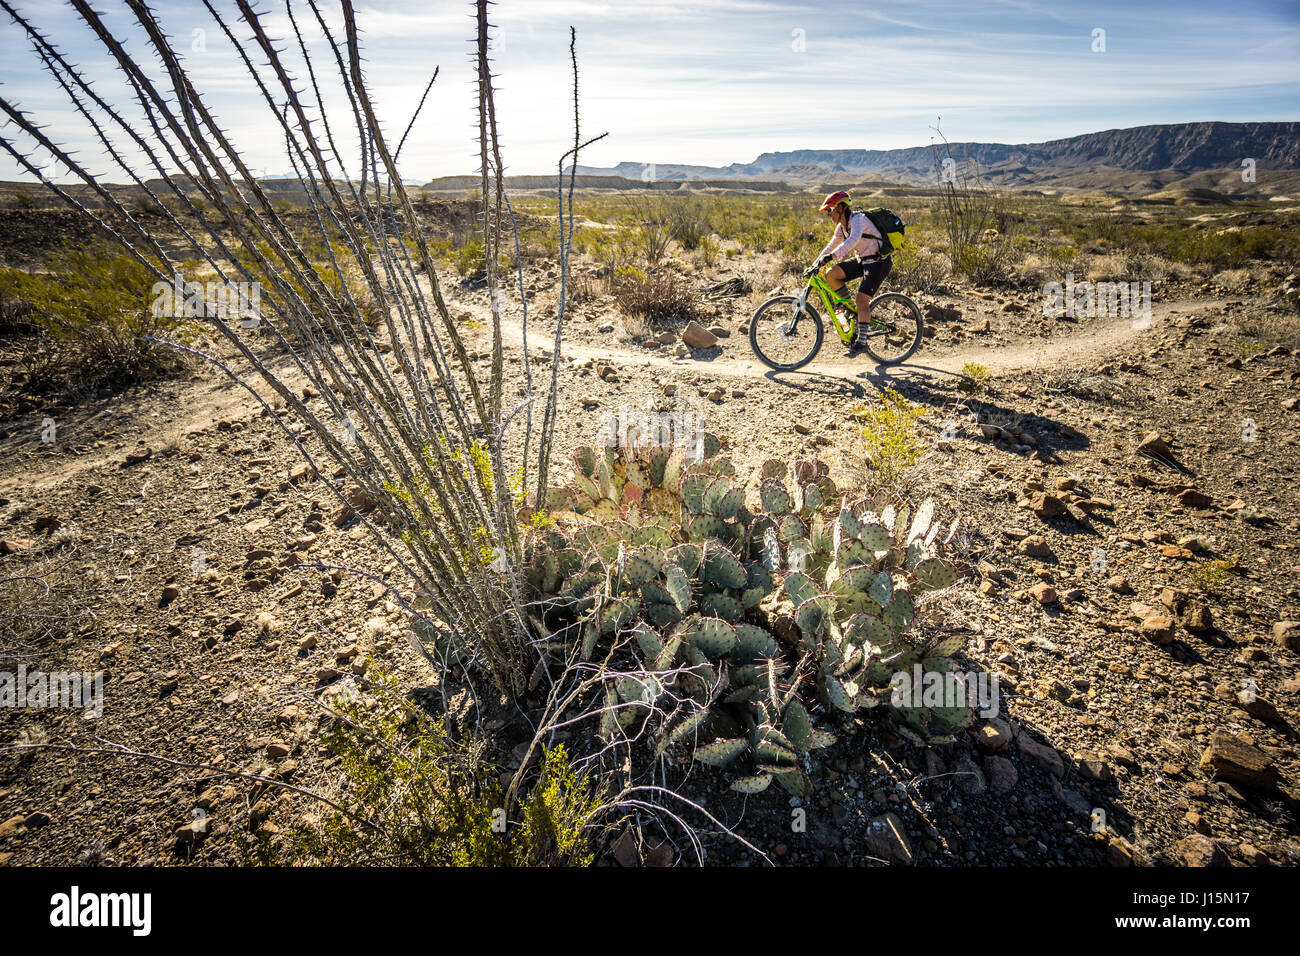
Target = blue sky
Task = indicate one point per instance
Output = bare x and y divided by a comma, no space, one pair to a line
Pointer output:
674,81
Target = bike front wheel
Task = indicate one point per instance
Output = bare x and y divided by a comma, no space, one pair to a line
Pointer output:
894,332
783,338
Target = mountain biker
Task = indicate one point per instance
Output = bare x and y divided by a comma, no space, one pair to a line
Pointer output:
855,237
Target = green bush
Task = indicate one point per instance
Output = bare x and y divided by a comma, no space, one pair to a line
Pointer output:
92,310
411,795
890,438
653,297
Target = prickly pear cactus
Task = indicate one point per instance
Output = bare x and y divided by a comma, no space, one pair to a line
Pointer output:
758,613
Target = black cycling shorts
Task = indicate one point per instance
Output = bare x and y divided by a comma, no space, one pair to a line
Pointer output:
872,273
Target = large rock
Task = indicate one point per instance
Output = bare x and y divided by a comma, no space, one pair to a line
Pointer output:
1001,774
1041,754
1287,633
697,336
994,736
1153,444
1157,628
1199,850
1230,758
887,840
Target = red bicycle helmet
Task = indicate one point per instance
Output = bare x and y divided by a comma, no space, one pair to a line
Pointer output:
833,200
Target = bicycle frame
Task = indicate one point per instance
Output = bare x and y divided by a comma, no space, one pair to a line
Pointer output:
817,283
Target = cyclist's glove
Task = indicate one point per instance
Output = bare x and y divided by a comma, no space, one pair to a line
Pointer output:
814,268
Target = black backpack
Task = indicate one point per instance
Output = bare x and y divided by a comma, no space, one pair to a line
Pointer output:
889,226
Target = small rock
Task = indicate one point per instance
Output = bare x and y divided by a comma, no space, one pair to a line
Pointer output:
1042,754
1035,546
1001,773
1199,850
887,840
1044,593
994,736
968,777
1192,498
1157,628
1287,633
1153,444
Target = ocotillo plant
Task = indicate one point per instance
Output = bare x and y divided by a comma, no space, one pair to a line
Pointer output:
355,301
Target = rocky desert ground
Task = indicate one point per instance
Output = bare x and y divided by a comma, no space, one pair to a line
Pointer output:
1129,520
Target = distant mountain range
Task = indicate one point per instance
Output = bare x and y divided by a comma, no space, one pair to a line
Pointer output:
1092,160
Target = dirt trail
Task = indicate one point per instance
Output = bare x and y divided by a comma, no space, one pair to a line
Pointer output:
1087,340
195,405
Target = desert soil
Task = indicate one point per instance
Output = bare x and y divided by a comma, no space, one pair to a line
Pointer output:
1147,711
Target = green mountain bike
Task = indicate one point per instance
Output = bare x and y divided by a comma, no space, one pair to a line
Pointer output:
786,332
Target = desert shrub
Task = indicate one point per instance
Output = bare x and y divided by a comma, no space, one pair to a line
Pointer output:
890,438
978,223
1273,327
918,268
1210,576
469,260
709,251
44,596
974,377
720,625
653,297
689,223
411,795
92,309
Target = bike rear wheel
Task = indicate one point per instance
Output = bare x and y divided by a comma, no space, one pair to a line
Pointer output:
894,333
778,345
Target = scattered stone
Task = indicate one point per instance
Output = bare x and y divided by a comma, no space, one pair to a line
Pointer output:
887,840
968,776
1001,773
1199,850
1047,505
1287,633
1044,593
1153,444
1192,498
1157,628
994,736
1042,754
1231,758
1035,546
696,336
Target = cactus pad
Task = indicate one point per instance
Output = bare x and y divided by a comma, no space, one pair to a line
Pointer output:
775,497
721,752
